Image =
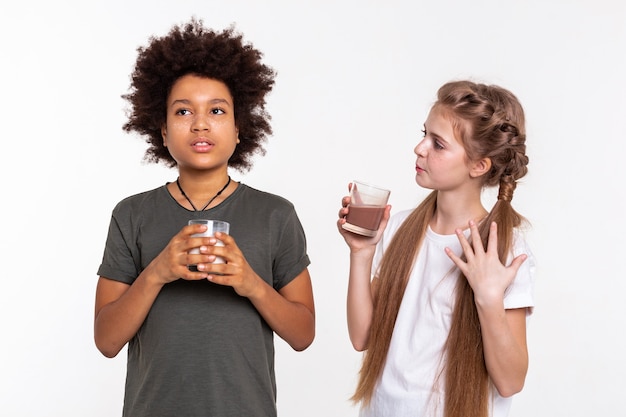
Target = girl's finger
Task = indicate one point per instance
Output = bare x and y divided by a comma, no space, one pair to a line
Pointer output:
465,245
492,243
457,261
475,236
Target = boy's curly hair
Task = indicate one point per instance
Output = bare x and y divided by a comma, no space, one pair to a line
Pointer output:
192,49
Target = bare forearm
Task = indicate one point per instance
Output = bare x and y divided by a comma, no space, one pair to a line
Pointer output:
118,321
292,321
359,300
504,341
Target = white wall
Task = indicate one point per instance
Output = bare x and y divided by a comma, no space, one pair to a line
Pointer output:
355,80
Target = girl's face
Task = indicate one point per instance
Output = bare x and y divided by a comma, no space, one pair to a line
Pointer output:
200,131
441,159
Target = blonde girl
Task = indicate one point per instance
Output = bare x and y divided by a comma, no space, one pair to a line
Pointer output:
439,298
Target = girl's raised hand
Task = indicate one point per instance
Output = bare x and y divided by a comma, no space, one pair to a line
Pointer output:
484,271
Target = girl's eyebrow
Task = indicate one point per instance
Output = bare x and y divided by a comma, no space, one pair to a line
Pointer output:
212,101
434,134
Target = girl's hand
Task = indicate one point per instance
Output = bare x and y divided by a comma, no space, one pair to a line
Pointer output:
234,272
487,276
355,241
174,260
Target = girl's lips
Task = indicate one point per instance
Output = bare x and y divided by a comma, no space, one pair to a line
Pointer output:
202,145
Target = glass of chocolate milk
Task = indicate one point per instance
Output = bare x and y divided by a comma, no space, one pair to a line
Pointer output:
366,208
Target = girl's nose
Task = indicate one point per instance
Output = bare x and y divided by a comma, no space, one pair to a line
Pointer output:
419,148
199,124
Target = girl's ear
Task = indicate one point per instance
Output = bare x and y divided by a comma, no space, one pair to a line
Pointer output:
164,134
480,167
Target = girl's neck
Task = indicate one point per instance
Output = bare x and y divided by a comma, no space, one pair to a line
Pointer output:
452,214
202,186
199,193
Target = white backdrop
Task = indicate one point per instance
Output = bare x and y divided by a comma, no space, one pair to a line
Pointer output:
355,80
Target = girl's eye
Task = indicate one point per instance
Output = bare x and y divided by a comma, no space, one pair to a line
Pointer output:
437,144
423,133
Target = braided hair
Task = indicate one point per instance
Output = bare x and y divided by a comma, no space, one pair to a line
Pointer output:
491,124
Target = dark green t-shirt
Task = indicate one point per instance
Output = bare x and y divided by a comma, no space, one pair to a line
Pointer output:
203,350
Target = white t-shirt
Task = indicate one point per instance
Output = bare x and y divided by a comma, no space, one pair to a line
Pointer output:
408,385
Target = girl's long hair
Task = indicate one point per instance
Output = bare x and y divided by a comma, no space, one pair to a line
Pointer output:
489,121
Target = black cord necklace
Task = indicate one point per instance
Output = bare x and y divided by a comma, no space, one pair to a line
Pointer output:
210,201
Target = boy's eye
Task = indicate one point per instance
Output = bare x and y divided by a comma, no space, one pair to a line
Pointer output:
182,112
217,111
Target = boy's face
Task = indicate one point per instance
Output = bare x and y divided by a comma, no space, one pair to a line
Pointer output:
200,131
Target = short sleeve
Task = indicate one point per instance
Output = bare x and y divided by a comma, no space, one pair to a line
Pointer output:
291,253
520,292
118,262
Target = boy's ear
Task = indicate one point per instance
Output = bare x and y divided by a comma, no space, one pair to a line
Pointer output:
480,167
